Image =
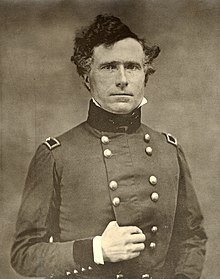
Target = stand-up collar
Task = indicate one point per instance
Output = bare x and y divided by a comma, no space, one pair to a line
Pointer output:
105,121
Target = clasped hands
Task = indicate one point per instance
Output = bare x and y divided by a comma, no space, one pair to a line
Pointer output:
121,243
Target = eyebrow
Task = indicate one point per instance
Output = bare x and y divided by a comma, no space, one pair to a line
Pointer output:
133,63
111,63
115,63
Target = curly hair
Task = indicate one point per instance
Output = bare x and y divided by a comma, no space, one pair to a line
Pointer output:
107,30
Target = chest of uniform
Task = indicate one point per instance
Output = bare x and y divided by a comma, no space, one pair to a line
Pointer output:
125,177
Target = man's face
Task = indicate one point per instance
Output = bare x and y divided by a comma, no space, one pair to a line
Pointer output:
117,75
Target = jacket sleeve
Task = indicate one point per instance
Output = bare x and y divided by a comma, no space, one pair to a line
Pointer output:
32,253
189,238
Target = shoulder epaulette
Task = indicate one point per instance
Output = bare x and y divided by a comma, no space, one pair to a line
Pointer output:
171,139
51,143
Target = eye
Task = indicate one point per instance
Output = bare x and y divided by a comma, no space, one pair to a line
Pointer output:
133,67
109,67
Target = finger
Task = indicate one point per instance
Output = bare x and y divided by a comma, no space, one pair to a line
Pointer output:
130,256
136,238
132,229
134,255
138,247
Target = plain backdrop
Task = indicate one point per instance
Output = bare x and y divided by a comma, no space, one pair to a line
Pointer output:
41,94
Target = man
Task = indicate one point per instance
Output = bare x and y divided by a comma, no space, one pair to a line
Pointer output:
111,198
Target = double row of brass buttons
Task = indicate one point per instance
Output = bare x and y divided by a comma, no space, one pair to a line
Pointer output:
113,184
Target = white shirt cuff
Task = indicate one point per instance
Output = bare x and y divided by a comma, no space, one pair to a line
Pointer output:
97,250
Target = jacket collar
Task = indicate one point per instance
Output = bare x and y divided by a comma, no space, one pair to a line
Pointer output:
105,121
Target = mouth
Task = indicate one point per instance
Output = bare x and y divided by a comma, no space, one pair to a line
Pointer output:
121,94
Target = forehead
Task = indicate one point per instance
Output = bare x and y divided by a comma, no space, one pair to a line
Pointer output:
125,50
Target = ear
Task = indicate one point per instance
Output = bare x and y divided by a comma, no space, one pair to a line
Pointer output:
86,81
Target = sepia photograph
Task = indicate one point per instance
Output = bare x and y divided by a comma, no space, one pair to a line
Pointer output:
109,142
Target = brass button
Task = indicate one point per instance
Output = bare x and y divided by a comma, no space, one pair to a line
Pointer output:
154,197
75,271
119,276
83,269
113,185
154,229
147,137
116,201
152,245
68,273
153,180
89,268
149,150
104,139
107,153
145,276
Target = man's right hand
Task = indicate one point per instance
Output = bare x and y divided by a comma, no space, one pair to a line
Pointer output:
121,243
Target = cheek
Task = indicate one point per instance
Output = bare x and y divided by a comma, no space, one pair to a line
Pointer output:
94,84
138,81
98,81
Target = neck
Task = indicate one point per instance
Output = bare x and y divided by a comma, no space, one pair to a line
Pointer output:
105,121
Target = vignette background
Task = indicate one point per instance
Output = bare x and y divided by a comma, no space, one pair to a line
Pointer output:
42,95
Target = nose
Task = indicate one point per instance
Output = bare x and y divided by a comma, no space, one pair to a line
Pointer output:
121,78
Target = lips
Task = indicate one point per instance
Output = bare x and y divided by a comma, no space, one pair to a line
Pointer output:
121,94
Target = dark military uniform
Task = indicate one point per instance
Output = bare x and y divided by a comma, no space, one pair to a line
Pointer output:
110,167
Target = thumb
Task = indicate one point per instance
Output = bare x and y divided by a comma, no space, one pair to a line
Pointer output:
112,224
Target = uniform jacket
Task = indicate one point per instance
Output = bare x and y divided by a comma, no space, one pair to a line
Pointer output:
91,175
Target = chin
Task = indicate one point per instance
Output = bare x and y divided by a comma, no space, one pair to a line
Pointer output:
122,108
